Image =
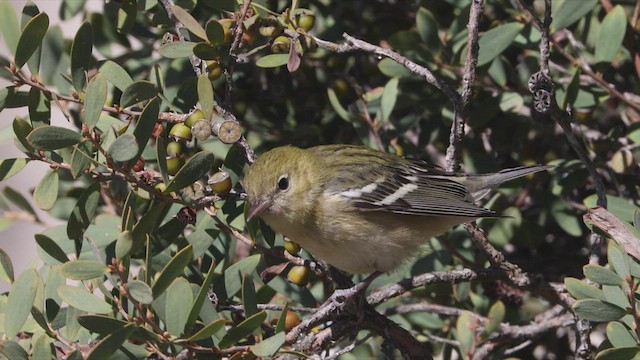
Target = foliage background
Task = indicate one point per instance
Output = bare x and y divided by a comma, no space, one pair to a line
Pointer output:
353,97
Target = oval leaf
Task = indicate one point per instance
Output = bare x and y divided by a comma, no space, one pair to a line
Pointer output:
177,50
50,247
84,211
495,41
140,291
611,35
571,11
46,193
198,165
178,305
138,91
125,148
620,335
49,138
10,167
81,55
82,269
95,99
146,124
116,75
21,298
173,269
273,60
603,276
81,299
214,32
31,38
243,329
581,290
598,310
208,331
270,346
124,244
189,21
389,97
110,344
6,267
205,95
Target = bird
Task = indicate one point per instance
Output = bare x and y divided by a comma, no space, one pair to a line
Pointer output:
363,210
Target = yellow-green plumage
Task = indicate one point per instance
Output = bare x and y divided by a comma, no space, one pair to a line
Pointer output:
359,209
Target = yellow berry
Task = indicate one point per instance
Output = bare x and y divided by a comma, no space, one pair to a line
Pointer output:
175,148
220,183
214,70
299,275
291,247
181,131
193,117
174,164
306,21
291,320
280,45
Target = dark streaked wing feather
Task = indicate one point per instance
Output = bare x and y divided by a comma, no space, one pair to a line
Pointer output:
437,193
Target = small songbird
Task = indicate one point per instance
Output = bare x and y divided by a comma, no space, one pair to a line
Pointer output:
363,210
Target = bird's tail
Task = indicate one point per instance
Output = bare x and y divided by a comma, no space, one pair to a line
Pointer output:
480,185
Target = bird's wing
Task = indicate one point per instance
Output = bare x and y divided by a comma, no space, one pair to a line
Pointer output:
401,187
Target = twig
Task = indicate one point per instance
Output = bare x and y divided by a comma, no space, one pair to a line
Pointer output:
460,104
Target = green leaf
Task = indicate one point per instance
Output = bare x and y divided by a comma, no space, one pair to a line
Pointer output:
208,331
50,247
205,95
20,201
389,97
71,8
618,206
46,192
598,310
39,108
146,225
611,35
124,244
177,50
81,56
12,350
137,92
338,108
569,12
618,260
391,68
465,333
83,269
495,41
84,211
272,60
198,165
624,353
53,137
28,12
249,295
603,276
192,24
428,30
116,75
9,27
581,290
11,98
206,52
270,346
81,158
282,320
214,32
233,274
81,299
6,267
140,291
21,298
495,317
31,38
127,16
243,329
566,216
111,343
96,97
10,167
21,129
125,148
178,305
174,268
620,335
146,124
200,297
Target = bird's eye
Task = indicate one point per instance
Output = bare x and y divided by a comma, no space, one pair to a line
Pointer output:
283,182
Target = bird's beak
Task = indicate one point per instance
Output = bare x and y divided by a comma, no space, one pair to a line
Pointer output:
258,207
